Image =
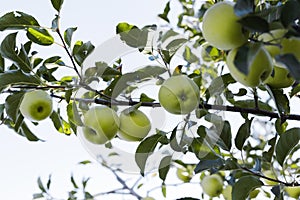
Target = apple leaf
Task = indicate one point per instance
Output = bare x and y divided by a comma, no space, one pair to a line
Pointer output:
209,164
286,143
132,35
145,149
60,124
173,141
12,104
290,12
2,64
17,20
189,56
57,4
244,186
295,90
73,114
170,33
8,50
164,167
40,36
250,103
243,133
81,51
254,24
119,84
145,98
68,35
291,62
175,44
225,137
218,85
164,15
281,100
243,7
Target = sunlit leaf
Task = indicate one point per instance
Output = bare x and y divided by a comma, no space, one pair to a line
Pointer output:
40,36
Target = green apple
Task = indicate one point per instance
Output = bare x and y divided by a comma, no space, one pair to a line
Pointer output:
179,95
227,192
269,174
291,45
293,192
273,41
280,78
221,28
259,69
212,185
36,105
185,174
101,124
134,125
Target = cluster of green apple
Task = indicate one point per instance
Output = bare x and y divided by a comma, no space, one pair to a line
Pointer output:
221,29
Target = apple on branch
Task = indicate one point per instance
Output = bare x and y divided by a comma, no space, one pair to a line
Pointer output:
212,185
134,125
36,105
101,124
179,95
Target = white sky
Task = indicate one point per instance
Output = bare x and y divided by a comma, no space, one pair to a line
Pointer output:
22,161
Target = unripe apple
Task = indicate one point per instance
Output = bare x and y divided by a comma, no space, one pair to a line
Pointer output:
221,27
291,45
269,174
101,124
273,41
259,69
280,78
36,105
212,185
134,126
185,174
227,192
293,192
179,95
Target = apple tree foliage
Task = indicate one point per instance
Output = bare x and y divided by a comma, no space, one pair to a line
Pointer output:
239,156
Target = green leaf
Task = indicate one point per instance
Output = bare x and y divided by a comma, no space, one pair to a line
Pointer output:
17,77
218,85
202,150
291,62
57,4
81,51
244,186
175,44
170,33
267,155
40,36
290,12
209,164
37,196
243,133
254,24
145,98
73,182
73,114
225,137
281,100
145,149
17,20
8,50
68,35
189,56
250,103
2,64
243,7
164,189
85,162
60,124
119,84
164,15
132,35
40,184
12,104
164,167
295,90
286,143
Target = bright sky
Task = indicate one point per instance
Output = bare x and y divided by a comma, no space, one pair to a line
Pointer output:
22,161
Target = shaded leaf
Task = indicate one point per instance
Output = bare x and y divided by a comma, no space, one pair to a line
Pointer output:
286,143
225,137
209,164
17,20
57,4
290,12
254,24
242,134
8,50
291,62
145,149
243,7
244,186
68,35
12,104
164,167
164,15
81,51
145,98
